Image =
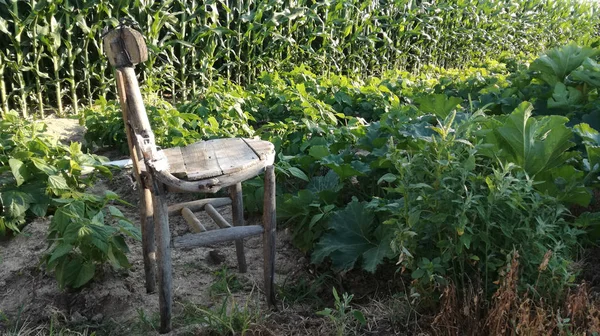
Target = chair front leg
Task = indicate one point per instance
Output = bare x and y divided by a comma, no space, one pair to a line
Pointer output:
270,226
148,246
237,209
163,256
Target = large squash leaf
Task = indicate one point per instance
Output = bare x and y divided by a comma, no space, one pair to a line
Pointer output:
535,144
564,96
588,72
354,234
439,105
558,63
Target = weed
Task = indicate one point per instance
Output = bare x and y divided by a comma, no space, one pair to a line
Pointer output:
343,316
227,318
225,283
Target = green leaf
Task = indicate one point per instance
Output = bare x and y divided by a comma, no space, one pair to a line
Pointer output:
41,165
298,173
588,72
535,144
438,104
79,272
358,315
15,203
57,183
558,63
18,170
418,273
354,234
318,152
564,97
329,182
59,251
388,177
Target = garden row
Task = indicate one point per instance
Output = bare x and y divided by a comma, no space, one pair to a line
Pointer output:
446,173
51,51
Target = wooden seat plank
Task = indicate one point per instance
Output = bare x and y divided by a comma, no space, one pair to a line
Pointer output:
236,155
218,157
200,160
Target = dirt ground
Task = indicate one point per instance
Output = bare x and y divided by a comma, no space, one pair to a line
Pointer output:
116,302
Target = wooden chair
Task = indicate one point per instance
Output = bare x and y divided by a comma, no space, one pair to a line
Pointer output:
203,167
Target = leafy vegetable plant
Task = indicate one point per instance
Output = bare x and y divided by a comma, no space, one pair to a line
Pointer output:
84,234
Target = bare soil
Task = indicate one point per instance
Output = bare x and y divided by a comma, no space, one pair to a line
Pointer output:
116,302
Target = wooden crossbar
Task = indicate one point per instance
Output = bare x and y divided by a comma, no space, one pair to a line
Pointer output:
193,240
216,216
193,222
198,205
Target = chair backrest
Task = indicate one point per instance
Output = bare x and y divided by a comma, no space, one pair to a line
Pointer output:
125,47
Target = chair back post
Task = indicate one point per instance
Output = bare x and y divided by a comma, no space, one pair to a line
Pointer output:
125,47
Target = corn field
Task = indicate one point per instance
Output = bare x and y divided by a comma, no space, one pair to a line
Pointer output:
51,51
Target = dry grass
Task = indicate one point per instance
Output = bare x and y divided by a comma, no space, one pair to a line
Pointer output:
514,312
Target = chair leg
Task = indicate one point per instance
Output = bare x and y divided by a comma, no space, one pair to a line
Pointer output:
269,223
237,209
148,246
163,242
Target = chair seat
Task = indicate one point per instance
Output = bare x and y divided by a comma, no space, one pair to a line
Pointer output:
218,157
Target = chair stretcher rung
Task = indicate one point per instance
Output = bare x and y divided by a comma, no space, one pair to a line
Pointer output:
194,240
216,216
193,222
198,205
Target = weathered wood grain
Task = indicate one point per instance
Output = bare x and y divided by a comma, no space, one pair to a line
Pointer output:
198,205
237,211
194,240
193,222
269,223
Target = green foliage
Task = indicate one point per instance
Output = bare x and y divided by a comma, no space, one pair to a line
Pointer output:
81,239
554,66
535,144
355,234
462,213
343,315
230,317
35,168
225,282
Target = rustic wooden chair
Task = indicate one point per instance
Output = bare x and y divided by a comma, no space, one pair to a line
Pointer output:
202,167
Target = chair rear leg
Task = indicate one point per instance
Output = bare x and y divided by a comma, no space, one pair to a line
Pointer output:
237,209
269,223
163,256
148,246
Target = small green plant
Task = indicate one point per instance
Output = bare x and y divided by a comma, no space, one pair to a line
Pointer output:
81,239
343,315
225,282
227,318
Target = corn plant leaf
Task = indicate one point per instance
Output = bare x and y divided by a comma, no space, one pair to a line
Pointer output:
439,105
558,63
535,144
588,72
564,96
355,234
